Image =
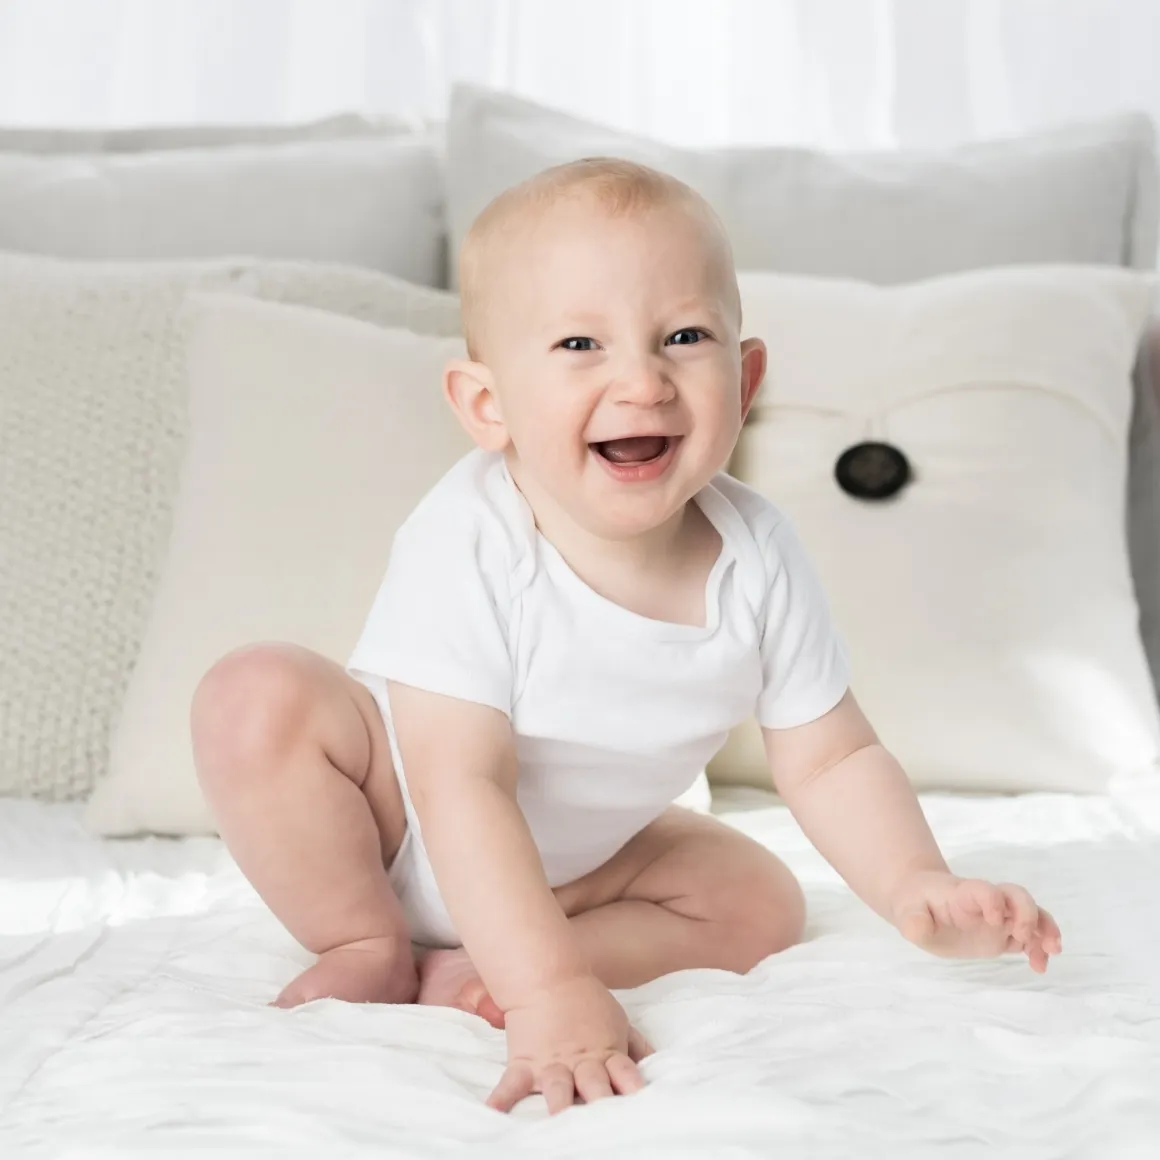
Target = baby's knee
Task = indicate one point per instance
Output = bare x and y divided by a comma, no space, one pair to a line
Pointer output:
250,707
768,913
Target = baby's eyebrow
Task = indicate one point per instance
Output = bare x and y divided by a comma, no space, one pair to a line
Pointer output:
693,304
683,311
580,321
707,305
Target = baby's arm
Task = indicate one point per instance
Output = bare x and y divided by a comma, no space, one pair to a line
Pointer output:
566,1033
855,804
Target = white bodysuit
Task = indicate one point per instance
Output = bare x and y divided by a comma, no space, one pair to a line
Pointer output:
614,714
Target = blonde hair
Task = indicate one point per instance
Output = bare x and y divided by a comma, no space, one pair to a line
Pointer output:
616,186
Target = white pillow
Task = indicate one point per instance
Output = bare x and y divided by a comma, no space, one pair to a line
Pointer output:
988,607
371,201
92,433
1081,194
311,439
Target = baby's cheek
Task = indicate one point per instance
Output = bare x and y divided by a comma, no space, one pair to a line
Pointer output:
721,424
549,441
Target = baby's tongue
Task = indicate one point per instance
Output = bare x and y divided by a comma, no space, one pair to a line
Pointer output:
638,450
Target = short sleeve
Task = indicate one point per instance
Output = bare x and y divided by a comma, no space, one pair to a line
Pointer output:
805,672
440,619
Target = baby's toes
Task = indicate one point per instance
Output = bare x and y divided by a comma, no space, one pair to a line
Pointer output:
474,997
292,995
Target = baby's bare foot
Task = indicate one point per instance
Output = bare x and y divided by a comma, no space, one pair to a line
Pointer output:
448,979
375,970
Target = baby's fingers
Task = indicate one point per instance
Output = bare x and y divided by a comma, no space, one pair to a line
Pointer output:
624,1074
592,1080
1024,914
1049,934
1036,956
1032,930
558,1086
515,1084
981,900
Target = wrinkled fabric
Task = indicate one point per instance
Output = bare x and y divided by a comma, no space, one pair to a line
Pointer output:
134,978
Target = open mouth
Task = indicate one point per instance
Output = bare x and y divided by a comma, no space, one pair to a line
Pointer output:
641,459
633,452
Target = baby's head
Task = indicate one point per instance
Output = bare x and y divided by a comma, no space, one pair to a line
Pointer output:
602,317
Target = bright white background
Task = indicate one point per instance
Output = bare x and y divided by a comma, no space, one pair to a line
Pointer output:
839,73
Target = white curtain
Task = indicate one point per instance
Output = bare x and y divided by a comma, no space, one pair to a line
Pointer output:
836,73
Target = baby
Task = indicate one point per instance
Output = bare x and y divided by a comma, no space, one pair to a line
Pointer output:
571,622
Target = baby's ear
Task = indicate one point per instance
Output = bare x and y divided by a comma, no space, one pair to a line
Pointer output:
753,360
470,389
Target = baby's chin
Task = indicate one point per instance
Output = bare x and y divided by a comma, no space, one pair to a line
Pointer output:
632,516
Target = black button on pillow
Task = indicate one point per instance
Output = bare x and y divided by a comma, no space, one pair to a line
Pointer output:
872,471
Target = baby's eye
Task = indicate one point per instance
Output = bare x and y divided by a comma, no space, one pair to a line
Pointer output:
687,337
577,343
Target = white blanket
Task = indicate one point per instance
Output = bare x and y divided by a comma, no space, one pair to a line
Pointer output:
134,979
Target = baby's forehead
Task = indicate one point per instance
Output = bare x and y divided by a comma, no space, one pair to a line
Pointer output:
575,239
582,212
524,227
654,227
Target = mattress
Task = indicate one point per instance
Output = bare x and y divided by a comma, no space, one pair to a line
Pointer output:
135,977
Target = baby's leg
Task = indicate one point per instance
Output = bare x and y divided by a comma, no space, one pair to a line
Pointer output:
687,891
293,757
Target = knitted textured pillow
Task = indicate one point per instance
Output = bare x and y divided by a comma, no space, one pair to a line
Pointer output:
92,430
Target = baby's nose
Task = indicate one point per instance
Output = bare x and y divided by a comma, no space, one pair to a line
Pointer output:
645,385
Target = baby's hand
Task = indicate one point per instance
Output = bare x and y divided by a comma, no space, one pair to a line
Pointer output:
967,918
573,1039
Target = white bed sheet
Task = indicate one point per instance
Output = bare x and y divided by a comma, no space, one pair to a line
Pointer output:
134,978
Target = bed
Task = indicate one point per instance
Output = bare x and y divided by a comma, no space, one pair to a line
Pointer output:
134,978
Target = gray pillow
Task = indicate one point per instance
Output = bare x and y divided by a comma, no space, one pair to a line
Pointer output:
374,201
154,138
1084,194
1144,495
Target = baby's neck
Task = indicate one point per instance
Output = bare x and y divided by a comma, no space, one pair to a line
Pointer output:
660,574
